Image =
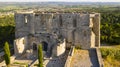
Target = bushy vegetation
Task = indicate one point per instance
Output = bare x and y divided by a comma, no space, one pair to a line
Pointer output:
7,29
7,20
111,56
114,53
7,54
40,56
110,28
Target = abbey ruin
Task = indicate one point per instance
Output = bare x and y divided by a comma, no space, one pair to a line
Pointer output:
56,32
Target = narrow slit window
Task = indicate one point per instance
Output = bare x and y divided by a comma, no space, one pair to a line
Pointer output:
85,34
26,20
60,19
74,23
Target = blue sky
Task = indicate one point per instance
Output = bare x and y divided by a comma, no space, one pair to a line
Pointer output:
60,0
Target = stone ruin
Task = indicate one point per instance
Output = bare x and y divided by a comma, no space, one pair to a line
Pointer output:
55,32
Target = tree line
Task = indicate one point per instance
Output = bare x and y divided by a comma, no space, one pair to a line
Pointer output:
7,29
110,27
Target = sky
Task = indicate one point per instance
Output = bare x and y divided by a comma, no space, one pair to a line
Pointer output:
60,0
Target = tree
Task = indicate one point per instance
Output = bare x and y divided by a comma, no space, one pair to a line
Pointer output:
40,56
7,54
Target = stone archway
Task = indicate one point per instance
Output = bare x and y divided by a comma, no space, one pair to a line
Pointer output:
34,47
34,52
45,45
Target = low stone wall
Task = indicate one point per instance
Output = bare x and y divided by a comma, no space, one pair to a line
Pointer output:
69,58
2,64
2,54
34,62
100,60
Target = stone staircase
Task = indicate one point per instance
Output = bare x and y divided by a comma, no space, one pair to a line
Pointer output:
93,57
56,62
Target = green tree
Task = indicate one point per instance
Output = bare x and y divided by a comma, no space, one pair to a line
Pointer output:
40,56
7,54
7,29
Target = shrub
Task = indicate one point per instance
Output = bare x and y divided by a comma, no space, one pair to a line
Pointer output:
111,56
104,52
40,56
7,54
113,53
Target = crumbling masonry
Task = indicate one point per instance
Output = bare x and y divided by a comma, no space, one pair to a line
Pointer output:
56,32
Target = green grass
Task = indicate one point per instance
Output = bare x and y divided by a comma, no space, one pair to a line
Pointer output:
20,63
35,64
111,56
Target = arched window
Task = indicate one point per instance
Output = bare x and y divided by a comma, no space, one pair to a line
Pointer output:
34,46
45,45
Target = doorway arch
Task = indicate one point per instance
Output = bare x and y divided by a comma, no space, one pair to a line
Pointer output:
34,46
44,45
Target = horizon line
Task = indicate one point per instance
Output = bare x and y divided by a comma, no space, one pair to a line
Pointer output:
62,1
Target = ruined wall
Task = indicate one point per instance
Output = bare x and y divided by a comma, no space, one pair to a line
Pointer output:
61,48
20,45
23,24
96,28
92,40
76,28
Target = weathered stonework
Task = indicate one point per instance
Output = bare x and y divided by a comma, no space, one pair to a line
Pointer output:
56,31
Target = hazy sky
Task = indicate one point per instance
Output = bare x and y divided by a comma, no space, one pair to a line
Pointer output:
60,0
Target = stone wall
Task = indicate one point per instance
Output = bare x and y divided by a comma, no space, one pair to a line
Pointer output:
99,56
1,56
76,28
61,48
92,40
20,45
23,25
96,28
12,58
69,58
